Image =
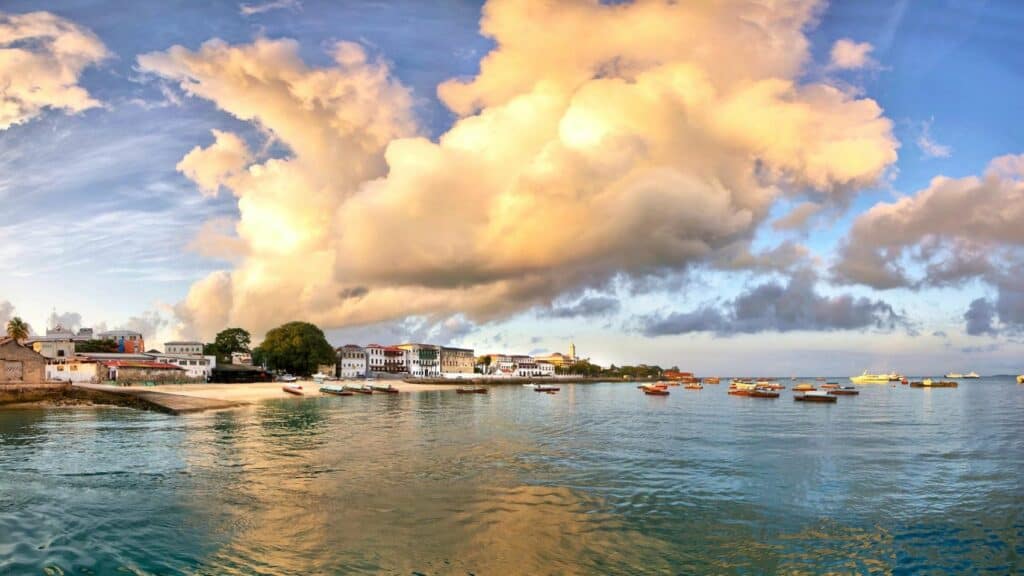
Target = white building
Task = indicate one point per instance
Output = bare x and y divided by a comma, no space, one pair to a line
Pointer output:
77,369
352,361
390,359
195,367
184,348
545,368
423,360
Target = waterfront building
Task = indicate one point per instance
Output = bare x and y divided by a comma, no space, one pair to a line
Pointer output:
54,347
423,359
195,367
558,359
128,341
144,371
77,369
456,360
545,368
352,361
20,364
183,348
390,359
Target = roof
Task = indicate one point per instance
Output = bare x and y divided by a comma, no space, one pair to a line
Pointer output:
183,343
141,364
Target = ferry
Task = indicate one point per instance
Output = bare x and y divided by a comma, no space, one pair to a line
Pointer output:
972,375
954,375
866,378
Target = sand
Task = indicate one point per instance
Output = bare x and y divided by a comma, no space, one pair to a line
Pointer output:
268,390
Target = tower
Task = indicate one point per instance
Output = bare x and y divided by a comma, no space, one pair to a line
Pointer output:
572,350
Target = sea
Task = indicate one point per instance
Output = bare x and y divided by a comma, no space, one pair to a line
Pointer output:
596,479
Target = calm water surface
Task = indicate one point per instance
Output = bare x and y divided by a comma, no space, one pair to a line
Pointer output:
599,479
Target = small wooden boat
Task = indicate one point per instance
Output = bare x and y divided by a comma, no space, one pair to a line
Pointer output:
655,391
295,389
739,392
771,386
471,390
830,386
335,390
805,387
763,393
843,392
543,388
389,389
929,383
815,396
694,387
359,389
713,380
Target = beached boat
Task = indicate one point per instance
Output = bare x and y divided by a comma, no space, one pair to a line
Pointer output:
803,387
815,397
295,389
954,375
471,390
543,388
359,389
929,383
389,389
335,390
972,375
287,378
866,378
320,377
655,391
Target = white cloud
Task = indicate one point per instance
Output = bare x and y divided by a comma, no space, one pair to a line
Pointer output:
41,60
929,147
249,9
849,55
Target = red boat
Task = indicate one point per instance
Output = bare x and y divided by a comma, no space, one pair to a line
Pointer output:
652,391
844,392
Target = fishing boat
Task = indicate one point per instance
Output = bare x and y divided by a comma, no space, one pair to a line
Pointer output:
694,386
543,388
954,375
829,386
335,390
803,387
929,383
763,393
655,391
471,390
866,378
815,396
972,375
359,389
844,391
714,380
295,389
389,389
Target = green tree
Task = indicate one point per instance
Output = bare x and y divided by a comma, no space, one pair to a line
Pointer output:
296,347
96,346
228,342
18,328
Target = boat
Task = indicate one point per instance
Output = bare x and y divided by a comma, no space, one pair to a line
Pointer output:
335,390
763,393
830,386
814,396
295,389
359,389
972,375
714,380
389,389
866,378
771,386
929,383
694,386
954,375
287,378
655,391
844,391
804,387
320,377
1020,379
895,377
471,390
543,388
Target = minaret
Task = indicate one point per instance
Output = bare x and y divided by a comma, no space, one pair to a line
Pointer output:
572,350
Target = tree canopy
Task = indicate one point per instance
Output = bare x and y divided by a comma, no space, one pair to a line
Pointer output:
228,342
296,347
18,328
96,346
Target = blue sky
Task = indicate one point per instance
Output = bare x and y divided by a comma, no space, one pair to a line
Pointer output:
99,222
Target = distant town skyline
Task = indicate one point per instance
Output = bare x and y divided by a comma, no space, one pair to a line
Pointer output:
792,187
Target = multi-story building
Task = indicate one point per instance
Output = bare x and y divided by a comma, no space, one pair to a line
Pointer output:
456,360
55,348
390,359
545,368
196,367
128,341
423,359
184,348
77,369
559,359
352,361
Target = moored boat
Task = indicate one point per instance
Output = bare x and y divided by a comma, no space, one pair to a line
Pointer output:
295,389
829,386
866,378
1020,379
713,380
471,390
389,389
844,391
543,388
335,390
287,378
763,393
803,387
815,396
954,375
359,389
694,386
655,391
929,383
320,377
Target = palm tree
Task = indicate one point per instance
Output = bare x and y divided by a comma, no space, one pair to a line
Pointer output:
17,328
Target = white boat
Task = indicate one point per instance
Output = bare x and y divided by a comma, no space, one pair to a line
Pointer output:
866,378
972,375
287,378
319,377
954,375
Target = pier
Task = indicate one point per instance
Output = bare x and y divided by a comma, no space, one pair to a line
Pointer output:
159,401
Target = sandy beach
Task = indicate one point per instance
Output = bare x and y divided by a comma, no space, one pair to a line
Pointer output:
268,390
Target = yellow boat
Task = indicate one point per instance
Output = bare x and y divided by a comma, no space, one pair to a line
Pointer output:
866,378
1020,379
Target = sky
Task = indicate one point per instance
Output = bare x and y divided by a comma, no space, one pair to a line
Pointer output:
739,187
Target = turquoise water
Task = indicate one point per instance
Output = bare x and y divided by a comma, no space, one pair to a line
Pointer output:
598,479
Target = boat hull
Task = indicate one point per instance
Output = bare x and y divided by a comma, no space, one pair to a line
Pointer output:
294,390
815,398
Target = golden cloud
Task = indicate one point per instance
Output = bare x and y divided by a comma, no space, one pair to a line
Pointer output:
628,139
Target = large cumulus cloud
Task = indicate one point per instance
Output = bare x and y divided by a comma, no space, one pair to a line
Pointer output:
955,230
42,57
613,140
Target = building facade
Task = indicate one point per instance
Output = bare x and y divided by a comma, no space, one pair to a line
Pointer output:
424,360
390,359
53,348
456,361
77,369
183,348
199,368
144,371
128,341
20,364
352,361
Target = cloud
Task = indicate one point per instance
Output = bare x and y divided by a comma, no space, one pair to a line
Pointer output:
217,165
249,9
777,307
797,218
586,307
6,313
41,59
979,318
929,147
71,321
623,155
849,55
149,324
